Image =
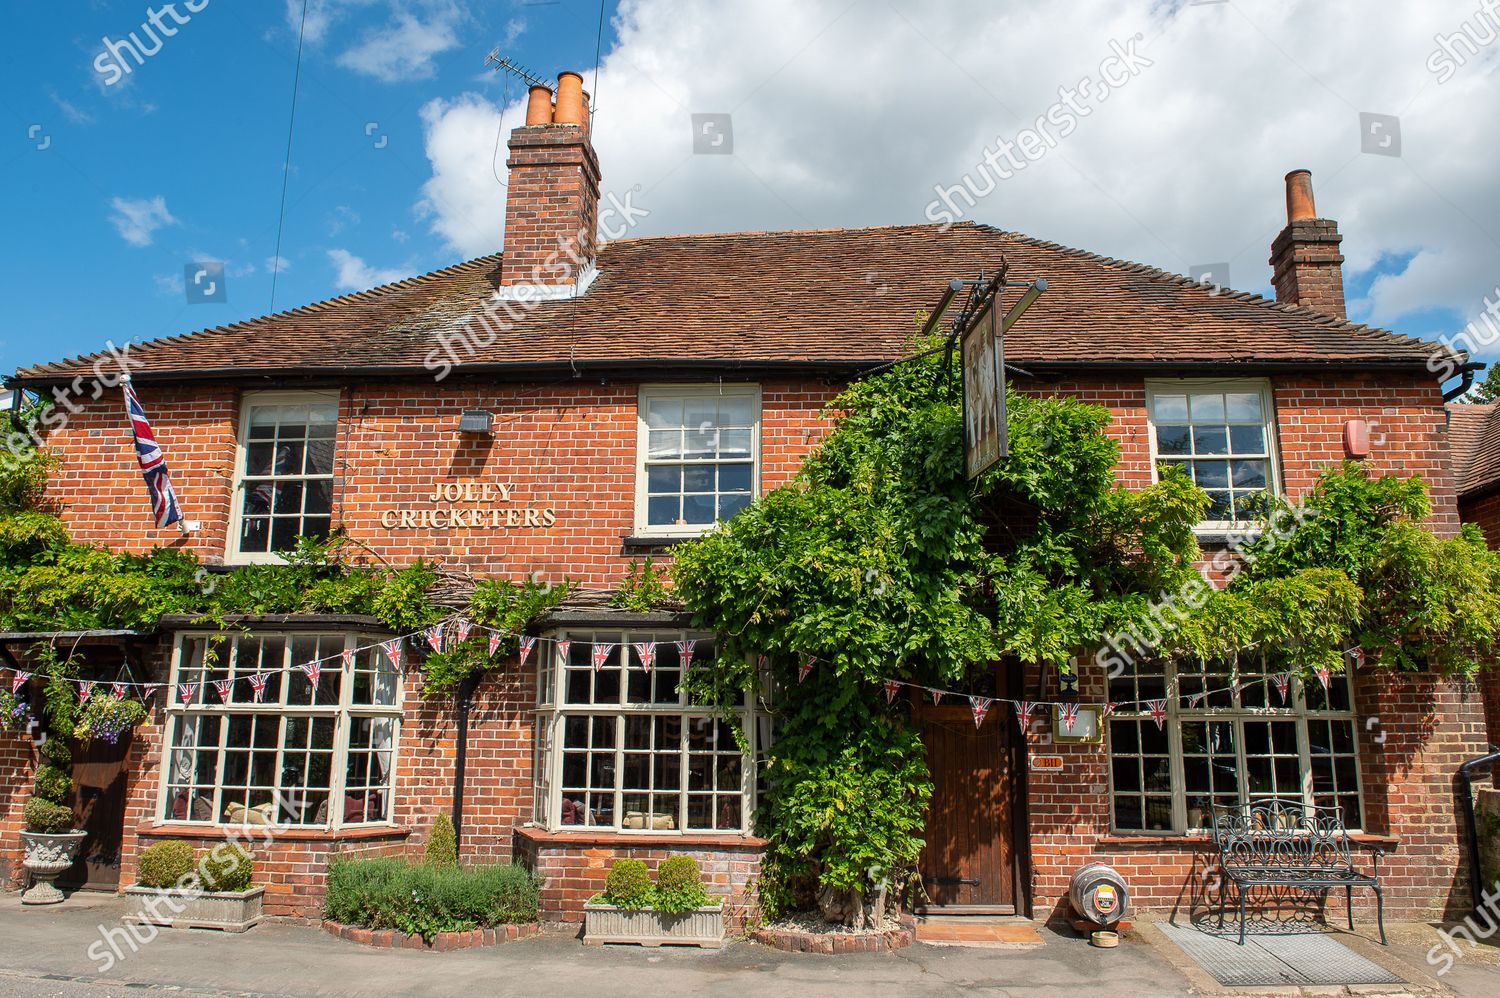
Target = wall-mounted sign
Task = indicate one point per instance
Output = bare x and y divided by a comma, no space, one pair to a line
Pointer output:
468,505
1085,726
1046,763
985,437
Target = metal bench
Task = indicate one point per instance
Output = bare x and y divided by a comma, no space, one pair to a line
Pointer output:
1289,845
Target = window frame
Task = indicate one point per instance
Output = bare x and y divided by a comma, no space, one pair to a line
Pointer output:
232,554
1297,712
343,713
551,712
643,527
1190,386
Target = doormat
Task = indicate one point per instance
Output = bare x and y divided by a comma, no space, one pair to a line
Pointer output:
1309,958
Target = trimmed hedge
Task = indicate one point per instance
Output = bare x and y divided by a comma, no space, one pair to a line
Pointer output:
423,900
225,868
164,865
628,885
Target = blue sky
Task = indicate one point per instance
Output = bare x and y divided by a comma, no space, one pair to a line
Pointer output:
844,112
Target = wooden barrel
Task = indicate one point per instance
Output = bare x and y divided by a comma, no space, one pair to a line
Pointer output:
1099,894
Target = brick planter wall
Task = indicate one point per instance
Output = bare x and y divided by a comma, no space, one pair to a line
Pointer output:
834,943
443,942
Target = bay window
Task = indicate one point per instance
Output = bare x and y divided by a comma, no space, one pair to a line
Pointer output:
1226,738
622,747
296,753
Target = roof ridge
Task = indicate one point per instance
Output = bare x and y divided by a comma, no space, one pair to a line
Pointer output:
673,236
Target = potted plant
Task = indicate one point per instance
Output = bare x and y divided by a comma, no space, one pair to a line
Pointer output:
49,840
107,718
213,892
676,911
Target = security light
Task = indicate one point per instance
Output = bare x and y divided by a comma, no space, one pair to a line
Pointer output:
476,421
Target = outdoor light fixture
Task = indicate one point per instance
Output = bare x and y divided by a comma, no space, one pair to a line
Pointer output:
1033,292
476,421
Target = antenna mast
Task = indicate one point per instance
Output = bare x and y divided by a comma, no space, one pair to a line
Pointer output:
506,64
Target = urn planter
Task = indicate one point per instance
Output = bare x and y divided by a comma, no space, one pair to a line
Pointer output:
604,923
231,911
46,857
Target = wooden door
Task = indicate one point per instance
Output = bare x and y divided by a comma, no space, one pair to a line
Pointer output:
99,770
969,861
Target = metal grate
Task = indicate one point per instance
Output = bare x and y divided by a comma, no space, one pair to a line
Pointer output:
1309,958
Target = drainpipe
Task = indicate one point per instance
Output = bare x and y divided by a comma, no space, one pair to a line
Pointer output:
465,701
1468,374
1466,788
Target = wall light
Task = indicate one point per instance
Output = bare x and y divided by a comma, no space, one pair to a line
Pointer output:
476,421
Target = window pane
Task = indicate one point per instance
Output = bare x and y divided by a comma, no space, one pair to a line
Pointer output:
1243,407
1211,474
1247,439
663,510
664,478
1208,408
1249,474
664,444
1173,440
735,477
1210,440
1170,408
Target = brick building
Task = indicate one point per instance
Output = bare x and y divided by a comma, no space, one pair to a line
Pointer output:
563,408
1474,435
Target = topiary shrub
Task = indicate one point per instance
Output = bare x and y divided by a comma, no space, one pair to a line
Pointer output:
47,817
442,845
165,865
225,868
628,885
679,886
52,783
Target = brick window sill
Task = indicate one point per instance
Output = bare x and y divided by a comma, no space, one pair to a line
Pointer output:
600,837
179,830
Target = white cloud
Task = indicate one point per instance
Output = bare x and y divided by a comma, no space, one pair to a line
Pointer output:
277,265
403,48
356,275
138,218
71,111
321,15
850,114
169,284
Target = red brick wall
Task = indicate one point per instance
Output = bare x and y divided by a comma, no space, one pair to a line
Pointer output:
16,771
1485,511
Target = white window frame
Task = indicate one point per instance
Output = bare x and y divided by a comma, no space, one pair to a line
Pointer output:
552,713
1297,712
642,526
1179,386
232,554
343,713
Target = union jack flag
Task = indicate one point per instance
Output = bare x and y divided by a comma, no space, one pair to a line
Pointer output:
153,463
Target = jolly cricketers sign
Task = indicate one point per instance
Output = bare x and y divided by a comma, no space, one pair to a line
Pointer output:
985,438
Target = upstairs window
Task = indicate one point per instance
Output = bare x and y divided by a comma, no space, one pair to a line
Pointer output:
698,457
284,473
1220,435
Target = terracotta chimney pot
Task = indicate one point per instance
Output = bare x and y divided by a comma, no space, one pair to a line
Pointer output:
570,106
539,106
1299,196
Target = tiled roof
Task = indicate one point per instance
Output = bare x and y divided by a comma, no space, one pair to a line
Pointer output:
1474,438
837,297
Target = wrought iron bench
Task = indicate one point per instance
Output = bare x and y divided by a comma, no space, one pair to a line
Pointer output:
1282,844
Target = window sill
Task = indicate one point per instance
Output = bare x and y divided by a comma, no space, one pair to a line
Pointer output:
638,541
609,837
279,833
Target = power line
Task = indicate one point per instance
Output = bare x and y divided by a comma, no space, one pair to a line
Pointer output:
286,167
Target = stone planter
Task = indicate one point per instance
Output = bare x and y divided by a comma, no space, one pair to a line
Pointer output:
231,911
46,857
604,923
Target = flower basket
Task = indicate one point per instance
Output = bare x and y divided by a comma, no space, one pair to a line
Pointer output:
604,923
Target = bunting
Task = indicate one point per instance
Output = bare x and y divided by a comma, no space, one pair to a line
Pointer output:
392,649
1069,716
1023,714
18,679
347,657
258,684
223,686
980,706
805,667
891,688
1323,673
461,630
118,691
527,643
494,642
685,652
1158,710
186,691
937,697
602,651
1281,681
434,635
312,670
85,689
646,652
563,647
150,690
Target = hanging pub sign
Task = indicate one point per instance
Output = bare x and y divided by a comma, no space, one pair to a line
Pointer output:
985,438
467,505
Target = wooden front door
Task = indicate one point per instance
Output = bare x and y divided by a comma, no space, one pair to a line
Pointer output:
99,770
970,859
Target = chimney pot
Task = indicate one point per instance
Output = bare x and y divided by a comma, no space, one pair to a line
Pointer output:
570,106
1299,196
539,106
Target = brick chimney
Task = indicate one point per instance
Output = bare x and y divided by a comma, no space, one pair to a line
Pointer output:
1306,265
552,203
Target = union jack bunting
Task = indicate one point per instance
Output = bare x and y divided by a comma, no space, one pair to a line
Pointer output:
1195,699
527,643
223,686
18,679
392,649
85,690
761,661
153,463
563,647
646,652
150,690
258,684
805,667
1069,715
685,652
937,697
1358,655
1158,710
980,706
1109,708
462,629
1023,714
185,692
434,635
118,690
891,688
602,651
347,657
494,642
1281,681
1322,674
312,669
